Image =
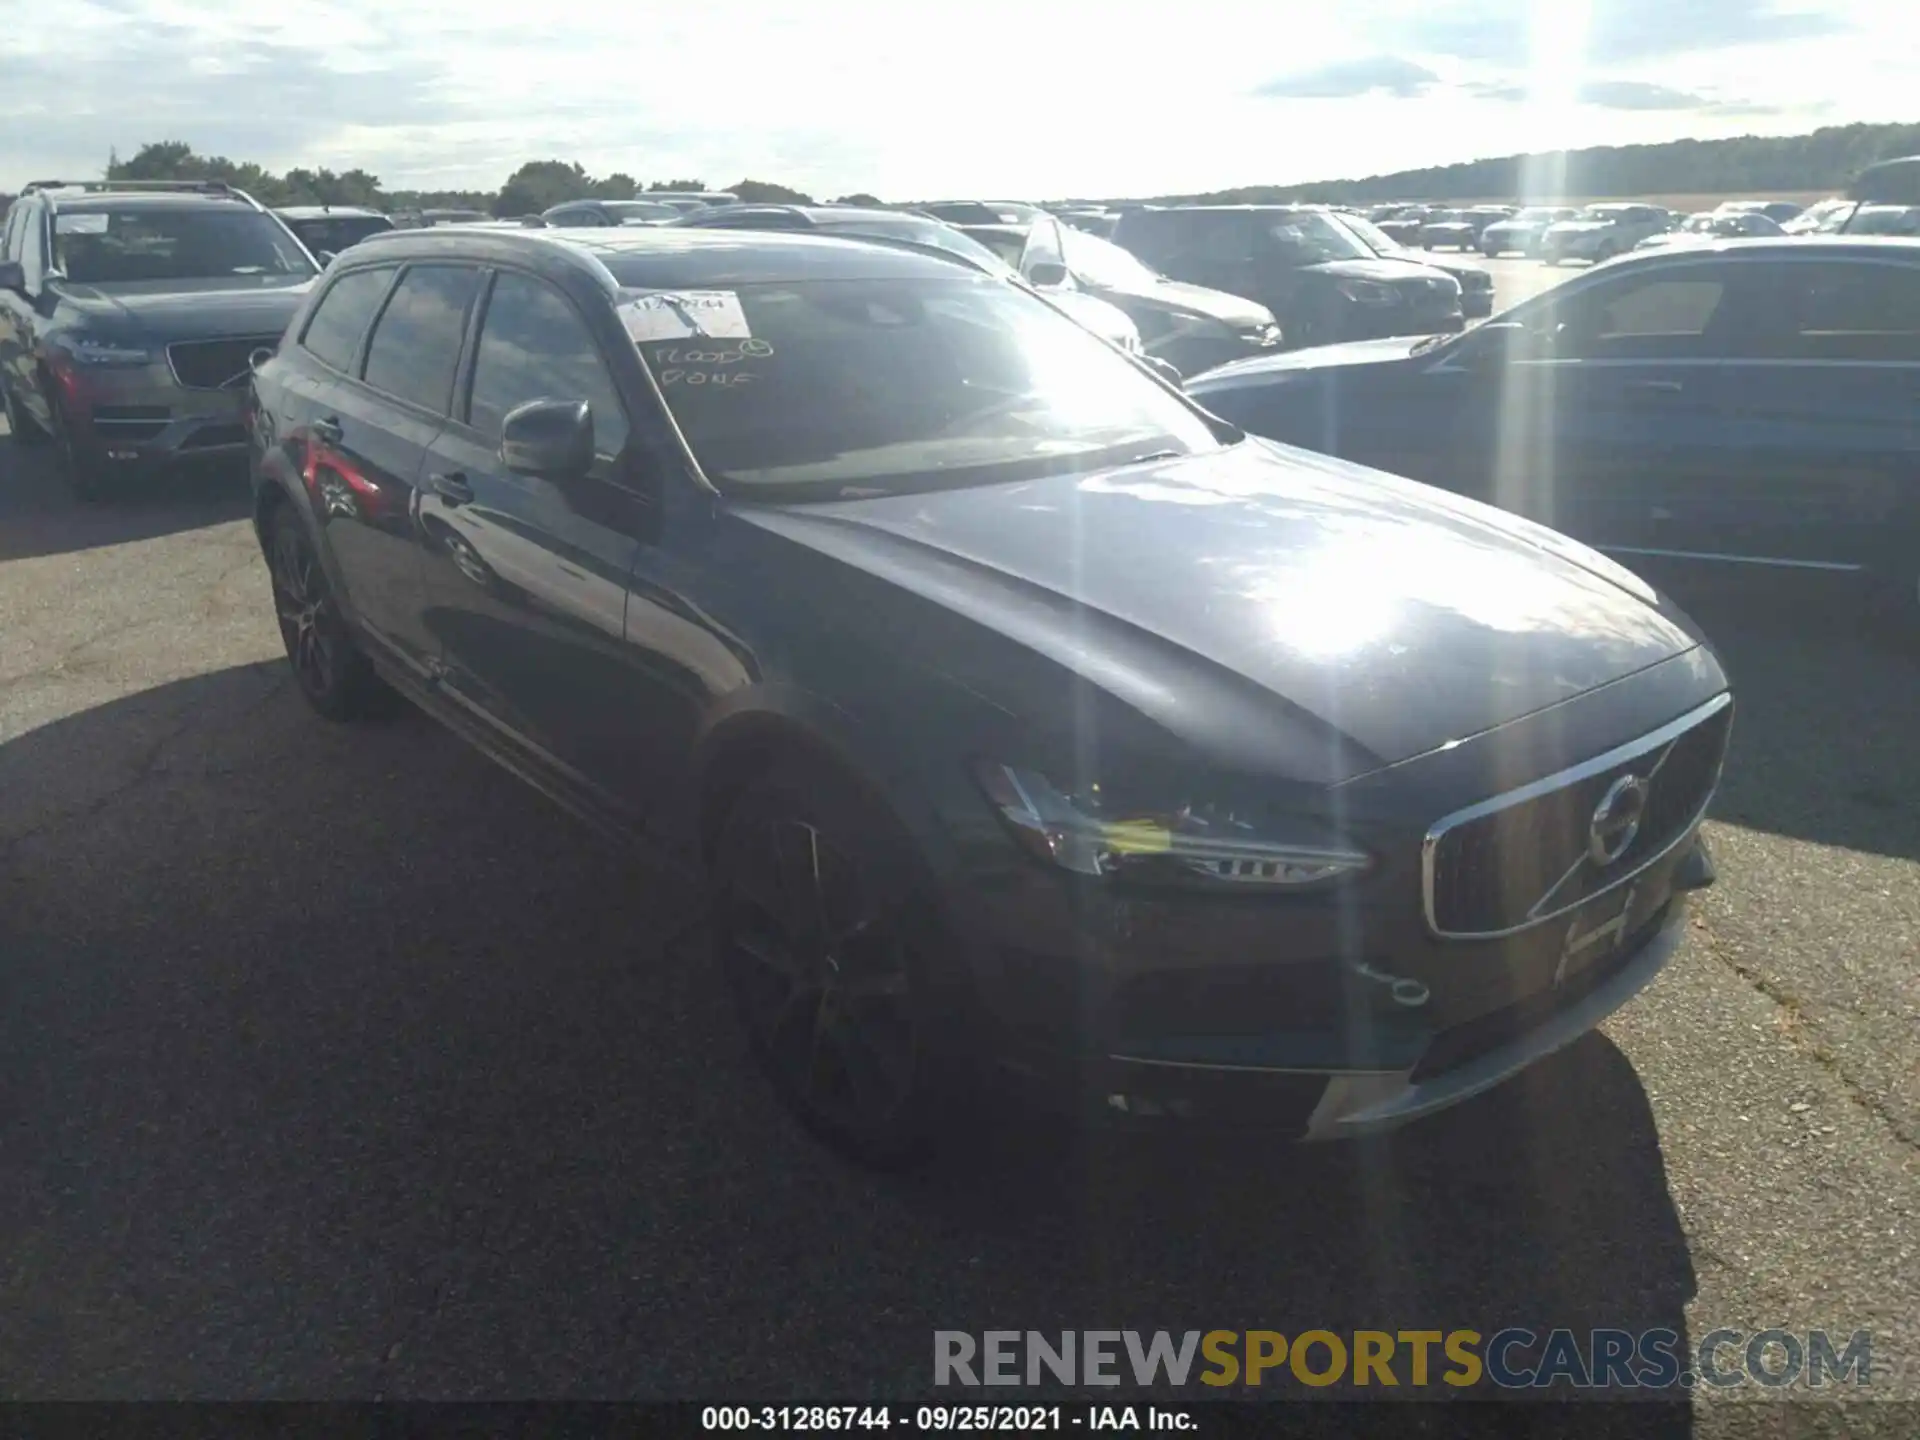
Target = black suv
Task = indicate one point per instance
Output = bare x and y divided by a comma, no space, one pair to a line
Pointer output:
1320,281
1026,718
326,230
128,314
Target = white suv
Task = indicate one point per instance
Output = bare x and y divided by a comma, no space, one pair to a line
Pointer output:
1601,232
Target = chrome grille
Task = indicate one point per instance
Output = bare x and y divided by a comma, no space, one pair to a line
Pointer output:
1523,858
216,364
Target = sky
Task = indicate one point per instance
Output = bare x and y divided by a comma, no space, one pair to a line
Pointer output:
920,100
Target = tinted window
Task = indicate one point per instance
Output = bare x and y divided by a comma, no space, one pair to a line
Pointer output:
1642,317
341,318
416,342
1845,312
535,346
337,232
1169,238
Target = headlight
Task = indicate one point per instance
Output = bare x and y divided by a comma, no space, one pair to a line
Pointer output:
105,352
1367,292
1192,844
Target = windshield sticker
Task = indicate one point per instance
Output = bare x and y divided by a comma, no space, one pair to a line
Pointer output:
685,315
80,224
673,362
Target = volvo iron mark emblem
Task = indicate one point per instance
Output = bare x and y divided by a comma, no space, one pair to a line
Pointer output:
1616,820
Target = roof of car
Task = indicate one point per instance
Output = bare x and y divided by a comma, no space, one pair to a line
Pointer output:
324,212
671,256
1833,247
142,199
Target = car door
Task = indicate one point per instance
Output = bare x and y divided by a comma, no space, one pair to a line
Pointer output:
15,318
527,576
374,423
1823,420
1600,414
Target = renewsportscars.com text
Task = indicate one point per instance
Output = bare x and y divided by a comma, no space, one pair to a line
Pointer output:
1512,1358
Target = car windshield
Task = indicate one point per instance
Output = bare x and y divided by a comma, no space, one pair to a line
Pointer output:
337,232
1603,212
106,246
1371,235
1311,238
1103,264
1534,213
842,388
627,211
1886,220
922,232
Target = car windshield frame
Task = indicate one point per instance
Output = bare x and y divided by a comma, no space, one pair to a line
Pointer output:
1370,235
859,402
91,234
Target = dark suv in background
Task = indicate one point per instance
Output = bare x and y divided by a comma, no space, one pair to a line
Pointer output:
1320,281
128,313
326,230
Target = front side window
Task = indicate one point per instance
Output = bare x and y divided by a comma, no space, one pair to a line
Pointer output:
1640,318
341,318
535,346
220,241
416,341
825,389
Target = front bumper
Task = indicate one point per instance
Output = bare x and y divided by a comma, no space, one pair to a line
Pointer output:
1366,1073
141,416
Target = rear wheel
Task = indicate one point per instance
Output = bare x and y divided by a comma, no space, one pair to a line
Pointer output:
334,677
833,955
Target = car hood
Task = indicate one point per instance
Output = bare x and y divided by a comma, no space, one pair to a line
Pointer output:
1371,617
1318,357
185,310
1233,310
1384,270
1107,321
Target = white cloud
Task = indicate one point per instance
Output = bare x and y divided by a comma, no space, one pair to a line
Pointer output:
992,98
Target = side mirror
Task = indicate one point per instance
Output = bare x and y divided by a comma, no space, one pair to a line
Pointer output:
551,439
1165,369
13,277
1046,274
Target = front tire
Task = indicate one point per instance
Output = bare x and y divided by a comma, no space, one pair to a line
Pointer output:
834,954
335,679
20,425
85,477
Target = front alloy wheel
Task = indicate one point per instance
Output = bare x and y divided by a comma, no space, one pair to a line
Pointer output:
825,952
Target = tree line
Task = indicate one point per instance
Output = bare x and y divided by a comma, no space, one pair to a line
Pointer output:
1825,159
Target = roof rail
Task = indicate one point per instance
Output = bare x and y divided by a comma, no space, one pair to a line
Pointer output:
205,187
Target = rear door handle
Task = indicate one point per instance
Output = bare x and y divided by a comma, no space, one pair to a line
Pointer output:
1656,387
453,489
327,428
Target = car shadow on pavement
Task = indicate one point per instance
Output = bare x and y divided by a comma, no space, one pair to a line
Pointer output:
38,517
334,1062
1823,740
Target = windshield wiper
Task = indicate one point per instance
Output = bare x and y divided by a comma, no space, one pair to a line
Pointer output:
1153,455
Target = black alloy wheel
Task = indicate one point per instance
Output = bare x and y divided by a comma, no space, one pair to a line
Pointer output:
334,677
829,952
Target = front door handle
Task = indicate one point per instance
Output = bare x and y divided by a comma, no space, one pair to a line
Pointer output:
327,429
1655,387
453,489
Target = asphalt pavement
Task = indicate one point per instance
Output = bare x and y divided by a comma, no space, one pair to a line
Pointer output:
337,1063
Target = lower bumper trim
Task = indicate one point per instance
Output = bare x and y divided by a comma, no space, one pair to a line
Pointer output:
1365,1104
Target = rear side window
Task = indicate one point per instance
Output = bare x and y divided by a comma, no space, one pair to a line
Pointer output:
1171,238
341,318
1860,312
416,341
1661,307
